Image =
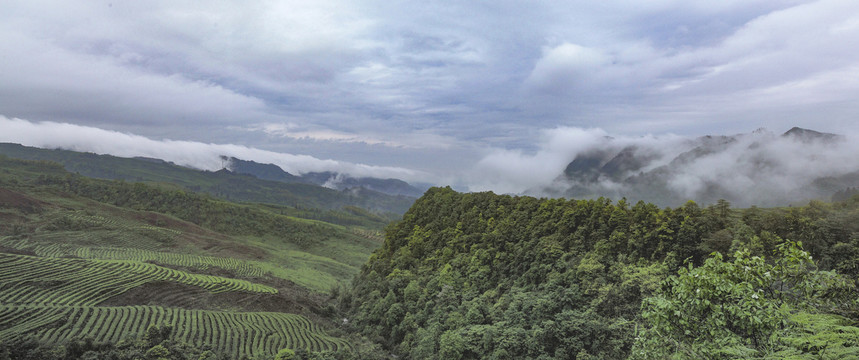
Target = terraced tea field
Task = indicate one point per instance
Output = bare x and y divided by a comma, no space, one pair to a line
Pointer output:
73,267
233,333
101,234
57,299
61,281
243,268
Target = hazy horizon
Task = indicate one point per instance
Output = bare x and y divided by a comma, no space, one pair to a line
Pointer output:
757,168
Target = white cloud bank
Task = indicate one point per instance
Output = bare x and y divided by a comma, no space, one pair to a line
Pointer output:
759,168
514,171
186,153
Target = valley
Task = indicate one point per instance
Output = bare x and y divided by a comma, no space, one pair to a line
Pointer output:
113,267
429,180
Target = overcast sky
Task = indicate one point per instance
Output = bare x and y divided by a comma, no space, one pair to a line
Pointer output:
421,88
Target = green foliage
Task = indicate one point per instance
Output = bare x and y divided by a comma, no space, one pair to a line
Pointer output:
63,281
234,334
155,334
482,275
296,199
285,354
217,215
735,309
80,244
461,276
818,336
157,352
130,348
50,218
490,276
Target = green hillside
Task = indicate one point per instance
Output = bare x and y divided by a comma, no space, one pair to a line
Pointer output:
483,276
298,199
82,257
125,270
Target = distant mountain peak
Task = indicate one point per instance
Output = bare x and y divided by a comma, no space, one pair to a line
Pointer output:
339,181
762,131
258,170
328,179
758,168
807,135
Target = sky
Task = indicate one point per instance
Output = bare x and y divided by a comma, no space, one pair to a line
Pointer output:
464,93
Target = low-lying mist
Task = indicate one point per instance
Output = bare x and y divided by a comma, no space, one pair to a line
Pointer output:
761,168
198,155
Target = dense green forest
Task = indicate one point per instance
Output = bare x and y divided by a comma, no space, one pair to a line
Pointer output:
467,276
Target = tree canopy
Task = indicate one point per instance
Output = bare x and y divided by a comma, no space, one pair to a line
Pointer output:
480,275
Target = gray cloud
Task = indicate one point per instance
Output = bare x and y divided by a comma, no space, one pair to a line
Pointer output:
424,82
519,171
758,168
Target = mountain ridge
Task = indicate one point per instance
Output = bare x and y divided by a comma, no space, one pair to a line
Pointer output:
328,179
758,168
310,200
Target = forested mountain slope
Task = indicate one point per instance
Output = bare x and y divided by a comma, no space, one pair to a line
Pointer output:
308,200
466,276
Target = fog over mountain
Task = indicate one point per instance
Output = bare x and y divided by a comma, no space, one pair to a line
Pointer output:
198,155
329,179
763,167
759,168
428,86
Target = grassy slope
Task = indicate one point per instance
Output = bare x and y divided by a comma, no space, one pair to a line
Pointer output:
325,255
44,221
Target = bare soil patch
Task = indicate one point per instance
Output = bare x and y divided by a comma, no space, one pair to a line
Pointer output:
14,200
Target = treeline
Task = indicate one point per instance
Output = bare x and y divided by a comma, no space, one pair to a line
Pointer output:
480,275
221,184
220,216
347,215
200,209
845,195
298,200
